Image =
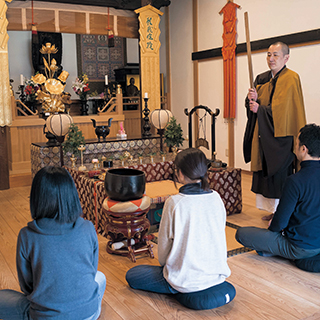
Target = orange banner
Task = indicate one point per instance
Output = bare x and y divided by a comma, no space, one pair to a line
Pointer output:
229,58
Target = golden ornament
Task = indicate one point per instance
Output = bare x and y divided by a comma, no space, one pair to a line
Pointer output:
54,86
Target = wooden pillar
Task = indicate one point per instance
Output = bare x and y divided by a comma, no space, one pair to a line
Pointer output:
149,18
5,98
195,67
168,57
4,159
231,143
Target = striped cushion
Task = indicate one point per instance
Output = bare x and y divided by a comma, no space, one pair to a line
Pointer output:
127,206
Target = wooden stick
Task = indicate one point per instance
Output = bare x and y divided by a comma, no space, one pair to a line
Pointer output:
246,21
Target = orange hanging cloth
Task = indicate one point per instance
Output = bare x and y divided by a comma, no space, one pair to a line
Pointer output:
35,39
110,33
229,58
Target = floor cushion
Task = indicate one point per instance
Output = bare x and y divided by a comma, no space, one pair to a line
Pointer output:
210,298
311,264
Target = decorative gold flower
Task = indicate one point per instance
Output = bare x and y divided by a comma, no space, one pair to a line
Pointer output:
53,66
63,76
38,78
48,48
43,95
53,105
54,86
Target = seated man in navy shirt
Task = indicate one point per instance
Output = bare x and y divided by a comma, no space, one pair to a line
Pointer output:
294,232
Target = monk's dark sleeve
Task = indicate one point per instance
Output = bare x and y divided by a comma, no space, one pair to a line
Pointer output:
251,118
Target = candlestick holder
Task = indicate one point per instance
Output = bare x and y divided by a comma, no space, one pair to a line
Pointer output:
22,96
146,126
81,148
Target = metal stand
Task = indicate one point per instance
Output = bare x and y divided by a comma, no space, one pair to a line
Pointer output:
22,96
146,126
214,162
160,133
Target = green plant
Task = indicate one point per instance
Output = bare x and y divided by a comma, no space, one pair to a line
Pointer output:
173,134
122,157
73,140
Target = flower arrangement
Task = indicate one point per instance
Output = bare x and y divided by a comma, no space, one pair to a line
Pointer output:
30,90
81,86
51,90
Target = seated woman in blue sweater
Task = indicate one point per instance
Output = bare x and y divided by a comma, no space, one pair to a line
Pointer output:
192,243
294,231
57,256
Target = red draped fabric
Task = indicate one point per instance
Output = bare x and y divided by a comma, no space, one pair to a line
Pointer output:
229,58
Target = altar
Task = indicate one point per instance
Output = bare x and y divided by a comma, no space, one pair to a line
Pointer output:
43,154
226,182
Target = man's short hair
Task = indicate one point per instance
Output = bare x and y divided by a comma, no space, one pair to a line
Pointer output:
284,47
310,137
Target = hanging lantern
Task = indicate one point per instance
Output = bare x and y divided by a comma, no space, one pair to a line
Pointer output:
110,38
58,125
160,118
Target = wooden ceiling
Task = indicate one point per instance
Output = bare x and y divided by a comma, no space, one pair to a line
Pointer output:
117,4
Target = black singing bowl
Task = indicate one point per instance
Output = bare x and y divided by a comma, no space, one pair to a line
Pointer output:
125,184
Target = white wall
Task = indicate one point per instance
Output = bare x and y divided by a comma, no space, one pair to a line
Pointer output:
181,64
266,19
132,50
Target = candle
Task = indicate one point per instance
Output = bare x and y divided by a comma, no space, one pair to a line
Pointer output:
21,79
146,95
106,79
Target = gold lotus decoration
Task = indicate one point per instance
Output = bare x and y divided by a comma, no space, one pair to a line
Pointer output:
63,76
54,86
51,93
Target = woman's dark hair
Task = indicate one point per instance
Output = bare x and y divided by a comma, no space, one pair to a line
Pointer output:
310,137
192,163
54,195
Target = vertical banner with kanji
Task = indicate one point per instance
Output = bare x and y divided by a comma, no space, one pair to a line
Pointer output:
229,58
149,19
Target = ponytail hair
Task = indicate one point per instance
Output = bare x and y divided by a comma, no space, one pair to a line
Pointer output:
192,163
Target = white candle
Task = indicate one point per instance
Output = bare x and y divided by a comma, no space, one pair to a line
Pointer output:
21,79
146,95
106,79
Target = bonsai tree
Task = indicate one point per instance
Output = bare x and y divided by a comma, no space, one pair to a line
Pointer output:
73,140
173,134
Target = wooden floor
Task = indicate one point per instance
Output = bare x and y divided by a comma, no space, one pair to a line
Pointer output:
267,288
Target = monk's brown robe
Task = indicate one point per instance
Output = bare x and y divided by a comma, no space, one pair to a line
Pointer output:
270,133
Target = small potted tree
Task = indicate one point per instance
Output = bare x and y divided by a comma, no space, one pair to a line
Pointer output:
173,135
72,142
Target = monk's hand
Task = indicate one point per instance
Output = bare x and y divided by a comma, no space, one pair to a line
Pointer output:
252,94
254,106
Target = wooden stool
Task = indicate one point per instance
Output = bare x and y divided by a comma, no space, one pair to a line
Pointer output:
126,221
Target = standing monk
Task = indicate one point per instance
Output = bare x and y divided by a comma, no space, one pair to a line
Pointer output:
275,112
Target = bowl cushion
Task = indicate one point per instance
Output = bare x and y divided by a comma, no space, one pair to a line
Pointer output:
127,206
